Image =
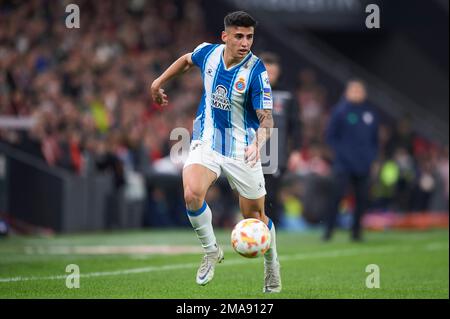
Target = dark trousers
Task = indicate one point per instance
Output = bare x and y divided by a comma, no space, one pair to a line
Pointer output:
272,205
360,185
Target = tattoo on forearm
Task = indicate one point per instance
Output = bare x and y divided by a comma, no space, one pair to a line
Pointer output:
265,126
265,118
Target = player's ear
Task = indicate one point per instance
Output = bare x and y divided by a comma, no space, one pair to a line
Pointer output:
224,36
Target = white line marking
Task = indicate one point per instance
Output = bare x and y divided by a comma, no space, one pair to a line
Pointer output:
110,250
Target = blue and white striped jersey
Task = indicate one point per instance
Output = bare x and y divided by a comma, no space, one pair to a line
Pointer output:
226,117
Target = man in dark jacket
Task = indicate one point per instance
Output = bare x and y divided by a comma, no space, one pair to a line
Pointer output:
352,134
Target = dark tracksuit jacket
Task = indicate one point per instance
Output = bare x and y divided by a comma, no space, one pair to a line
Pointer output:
352,133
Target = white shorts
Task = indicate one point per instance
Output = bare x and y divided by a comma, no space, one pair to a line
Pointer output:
248,181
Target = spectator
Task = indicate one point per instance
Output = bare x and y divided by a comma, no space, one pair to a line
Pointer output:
312,99
352,133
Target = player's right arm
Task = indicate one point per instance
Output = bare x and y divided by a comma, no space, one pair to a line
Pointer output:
180,66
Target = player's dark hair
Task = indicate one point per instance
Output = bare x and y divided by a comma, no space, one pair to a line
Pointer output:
269,58
239,19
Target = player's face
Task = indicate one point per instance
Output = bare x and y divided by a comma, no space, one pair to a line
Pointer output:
238,40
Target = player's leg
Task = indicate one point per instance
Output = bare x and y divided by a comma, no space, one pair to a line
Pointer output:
250,184
272,202
361,188
340,182
254,208
196,181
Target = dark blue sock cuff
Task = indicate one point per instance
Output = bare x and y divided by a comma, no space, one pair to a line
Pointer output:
269,224
195,213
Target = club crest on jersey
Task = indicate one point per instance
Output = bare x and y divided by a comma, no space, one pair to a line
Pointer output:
240,85
220,99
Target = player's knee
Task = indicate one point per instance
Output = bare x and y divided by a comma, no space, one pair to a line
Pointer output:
193,198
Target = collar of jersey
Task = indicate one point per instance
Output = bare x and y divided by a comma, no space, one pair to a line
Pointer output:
245,59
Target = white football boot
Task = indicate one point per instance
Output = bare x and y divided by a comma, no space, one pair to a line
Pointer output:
205,272
272,277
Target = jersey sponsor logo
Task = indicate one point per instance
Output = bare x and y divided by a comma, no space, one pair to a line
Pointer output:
265,79
220,99
267,98
240,85
267,94
267,91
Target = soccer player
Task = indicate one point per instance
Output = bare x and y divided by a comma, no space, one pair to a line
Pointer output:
233,121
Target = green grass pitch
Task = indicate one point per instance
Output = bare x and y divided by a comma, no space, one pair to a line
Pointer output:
162,264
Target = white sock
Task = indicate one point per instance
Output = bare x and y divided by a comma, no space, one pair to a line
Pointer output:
271,255
201,221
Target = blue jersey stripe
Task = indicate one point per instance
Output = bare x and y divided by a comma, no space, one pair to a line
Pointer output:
198,56
206,58
213,88
202,120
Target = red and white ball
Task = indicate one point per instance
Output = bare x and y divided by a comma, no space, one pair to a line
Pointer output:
250,238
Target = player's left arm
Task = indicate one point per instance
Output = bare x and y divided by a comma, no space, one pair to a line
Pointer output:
252,154
262,102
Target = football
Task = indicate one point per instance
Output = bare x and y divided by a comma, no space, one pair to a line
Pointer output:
250,238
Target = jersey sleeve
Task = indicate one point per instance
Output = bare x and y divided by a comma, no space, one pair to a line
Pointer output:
200,53
261,89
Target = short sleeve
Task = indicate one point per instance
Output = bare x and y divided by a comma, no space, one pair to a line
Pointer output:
200,53
261,90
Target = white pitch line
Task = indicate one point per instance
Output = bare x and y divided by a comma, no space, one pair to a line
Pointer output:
304,256
113,249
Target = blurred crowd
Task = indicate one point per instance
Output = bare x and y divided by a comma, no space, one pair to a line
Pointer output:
87,90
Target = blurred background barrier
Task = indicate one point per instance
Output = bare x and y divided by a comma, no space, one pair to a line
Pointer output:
82,146
51,197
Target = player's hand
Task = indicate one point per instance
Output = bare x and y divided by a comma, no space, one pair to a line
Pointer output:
252,155
158,94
